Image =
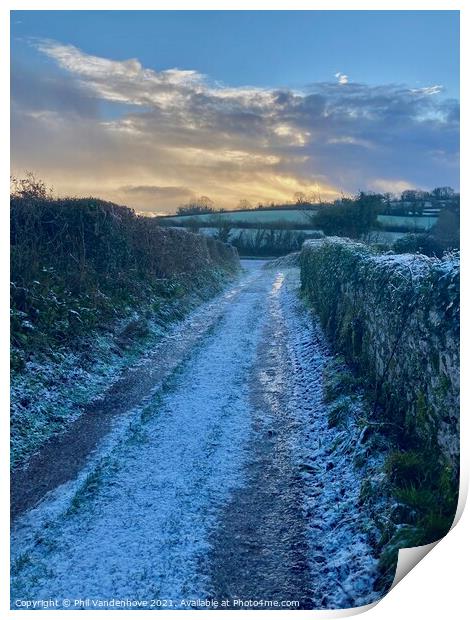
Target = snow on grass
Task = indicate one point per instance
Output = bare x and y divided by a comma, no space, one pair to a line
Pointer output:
342,558
51,392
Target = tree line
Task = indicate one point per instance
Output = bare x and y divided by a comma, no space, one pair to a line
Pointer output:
413,200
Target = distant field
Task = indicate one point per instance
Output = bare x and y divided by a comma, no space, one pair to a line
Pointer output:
271,217
379,236
261,216
250,232
421,222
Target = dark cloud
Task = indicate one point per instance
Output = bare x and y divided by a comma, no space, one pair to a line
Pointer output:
156,191
46,92
155,198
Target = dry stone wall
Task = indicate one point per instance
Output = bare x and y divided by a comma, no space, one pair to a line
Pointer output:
396,318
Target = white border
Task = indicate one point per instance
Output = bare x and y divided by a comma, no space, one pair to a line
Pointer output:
438,587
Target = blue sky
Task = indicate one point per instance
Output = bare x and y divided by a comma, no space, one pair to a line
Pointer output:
266,48
343,76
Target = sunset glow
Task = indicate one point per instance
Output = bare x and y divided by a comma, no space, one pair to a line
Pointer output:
153,137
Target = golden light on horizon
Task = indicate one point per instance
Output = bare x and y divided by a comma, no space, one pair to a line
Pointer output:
155,139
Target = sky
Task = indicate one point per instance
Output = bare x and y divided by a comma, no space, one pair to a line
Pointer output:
154,108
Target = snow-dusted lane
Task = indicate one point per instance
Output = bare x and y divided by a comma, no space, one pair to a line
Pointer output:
205,495
145,527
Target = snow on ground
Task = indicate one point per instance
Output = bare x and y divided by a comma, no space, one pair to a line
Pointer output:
146,515
51,393
341,560
142,533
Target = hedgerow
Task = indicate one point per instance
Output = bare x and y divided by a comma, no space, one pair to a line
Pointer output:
77,263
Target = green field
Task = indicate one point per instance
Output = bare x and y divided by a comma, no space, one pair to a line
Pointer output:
300,217
256,216
411,222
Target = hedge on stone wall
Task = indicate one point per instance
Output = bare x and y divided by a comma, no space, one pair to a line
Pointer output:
396,319
79,263
90,241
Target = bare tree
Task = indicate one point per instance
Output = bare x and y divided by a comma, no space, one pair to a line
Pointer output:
300,198
29,187
244,204
203,204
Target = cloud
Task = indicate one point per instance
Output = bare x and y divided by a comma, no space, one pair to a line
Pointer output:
351,140
158,191
394,186
49,92
161,196
342,78
144,137
428,90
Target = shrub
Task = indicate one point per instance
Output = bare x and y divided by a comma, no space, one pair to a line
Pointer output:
350,217
419,243
272,242
404,468
426,488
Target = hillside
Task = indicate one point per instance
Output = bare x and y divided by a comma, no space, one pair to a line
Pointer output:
295,218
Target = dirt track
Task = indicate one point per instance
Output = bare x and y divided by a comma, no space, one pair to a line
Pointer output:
219,485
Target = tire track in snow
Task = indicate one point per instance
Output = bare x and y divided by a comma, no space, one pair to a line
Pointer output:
259,550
